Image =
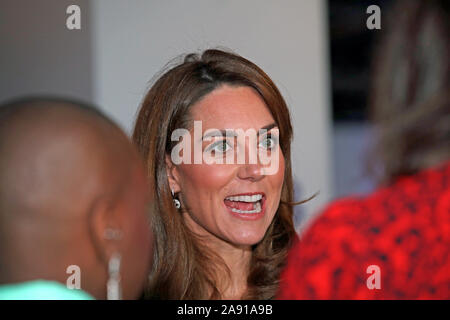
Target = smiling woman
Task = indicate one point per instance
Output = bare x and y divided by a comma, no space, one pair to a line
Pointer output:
223,227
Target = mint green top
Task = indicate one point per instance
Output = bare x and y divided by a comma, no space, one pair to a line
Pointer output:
41,290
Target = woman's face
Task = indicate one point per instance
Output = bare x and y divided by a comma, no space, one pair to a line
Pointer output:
232,202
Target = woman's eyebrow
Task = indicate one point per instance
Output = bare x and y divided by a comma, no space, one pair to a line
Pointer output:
269,127
231,133
220,133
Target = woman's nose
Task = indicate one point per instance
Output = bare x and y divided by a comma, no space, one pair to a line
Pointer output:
252,172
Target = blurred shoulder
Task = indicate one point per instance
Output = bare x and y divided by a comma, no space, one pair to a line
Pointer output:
415,197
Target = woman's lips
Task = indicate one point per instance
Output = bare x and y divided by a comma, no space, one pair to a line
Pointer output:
247,206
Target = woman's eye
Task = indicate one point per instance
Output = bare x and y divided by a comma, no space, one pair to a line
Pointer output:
269,142
219,147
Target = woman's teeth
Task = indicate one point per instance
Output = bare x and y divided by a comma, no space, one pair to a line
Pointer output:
254,199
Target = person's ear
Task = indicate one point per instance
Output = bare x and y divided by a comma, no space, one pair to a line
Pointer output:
106,229
172,175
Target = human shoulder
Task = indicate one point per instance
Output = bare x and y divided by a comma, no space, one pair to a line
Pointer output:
41,290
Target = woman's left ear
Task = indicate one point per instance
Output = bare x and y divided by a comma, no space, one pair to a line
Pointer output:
172,175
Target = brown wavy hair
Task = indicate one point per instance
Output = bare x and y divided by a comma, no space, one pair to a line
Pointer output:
410,97
183,267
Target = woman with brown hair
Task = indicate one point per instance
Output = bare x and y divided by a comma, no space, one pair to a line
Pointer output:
222,229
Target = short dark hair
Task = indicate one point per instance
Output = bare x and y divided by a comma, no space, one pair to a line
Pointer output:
11,106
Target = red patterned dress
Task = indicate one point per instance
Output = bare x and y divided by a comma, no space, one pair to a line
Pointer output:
402,229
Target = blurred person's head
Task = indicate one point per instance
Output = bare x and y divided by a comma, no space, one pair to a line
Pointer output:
72,192
410,98
226,92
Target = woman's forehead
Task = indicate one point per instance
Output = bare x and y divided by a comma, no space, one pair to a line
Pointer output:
232,108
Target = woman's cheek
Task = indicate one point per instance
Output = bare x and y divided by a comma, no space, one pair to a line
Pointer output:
278,177
207,176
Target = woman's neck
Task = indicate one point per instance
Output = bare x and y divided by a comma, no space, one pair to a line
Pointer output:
236,257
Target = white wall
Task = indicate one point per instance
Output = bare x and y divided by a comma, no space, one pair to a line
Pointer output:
133,40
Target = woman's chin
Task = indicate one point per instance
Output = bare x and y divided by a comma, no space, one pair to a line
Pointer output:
247,239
